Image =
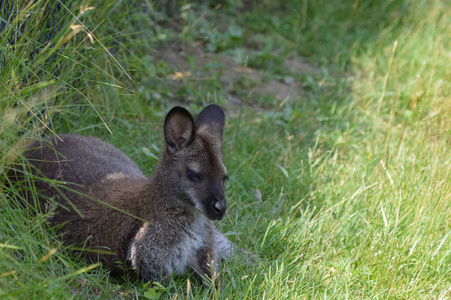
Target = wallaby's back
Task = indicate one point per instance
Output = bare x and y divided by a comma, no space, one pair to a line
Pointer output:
81,159
92,171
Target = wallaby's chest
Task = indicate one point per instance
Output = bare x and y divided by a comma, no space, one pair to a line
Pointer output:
191,241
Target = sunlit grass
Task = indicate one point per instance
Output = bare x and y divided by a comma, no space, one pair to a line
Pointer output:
342,192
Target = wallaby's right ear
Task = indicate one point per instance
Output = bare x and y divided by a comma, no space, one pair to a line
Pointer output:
178,129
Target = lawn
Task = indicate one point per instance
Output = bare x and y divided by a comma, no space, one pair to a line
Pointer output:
337,139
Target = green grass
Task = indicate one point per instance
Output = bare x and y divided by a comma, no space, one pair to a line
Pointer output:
343,190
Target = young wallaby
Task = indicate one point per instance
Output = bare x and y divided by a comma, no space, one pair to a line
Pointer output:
159,225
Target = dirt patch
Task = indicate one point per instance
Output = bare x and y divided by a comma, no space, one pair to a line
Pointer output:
239,81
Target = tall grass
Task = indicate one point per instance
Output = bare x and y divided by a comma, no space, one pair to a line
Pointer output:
46,67
343,192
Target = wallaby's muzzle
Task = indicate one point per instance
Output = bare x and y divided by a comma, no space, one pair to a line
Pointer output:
215,205
218,210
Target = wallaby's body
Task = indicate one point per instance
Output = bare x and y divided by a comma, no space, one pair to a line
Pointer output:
168,224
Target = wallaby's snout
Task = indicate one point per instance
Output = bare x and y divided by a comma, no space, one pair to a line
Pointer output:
219,209
217,205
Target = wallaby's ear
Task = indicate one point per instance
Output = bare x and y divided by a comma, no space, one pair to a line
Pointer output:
178,129
211,118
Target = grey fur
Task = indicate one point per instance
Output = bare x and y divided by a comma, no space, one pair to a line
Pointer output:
169,221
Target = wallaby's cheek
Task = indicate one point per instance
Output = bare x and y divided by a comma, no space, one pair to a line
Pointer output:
195,200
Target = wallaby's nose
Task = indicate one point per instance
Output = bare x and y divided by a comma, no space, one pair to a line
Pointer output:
220,208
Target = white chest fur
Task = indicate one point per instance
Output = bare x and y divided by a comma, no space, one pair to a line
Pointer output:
193,239
142,249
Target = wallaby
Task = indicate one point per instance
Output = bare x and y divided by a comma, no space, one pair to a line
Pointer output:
159,225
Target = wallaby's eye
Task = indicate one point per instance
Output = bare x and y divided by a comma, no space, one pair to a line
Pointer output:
193,175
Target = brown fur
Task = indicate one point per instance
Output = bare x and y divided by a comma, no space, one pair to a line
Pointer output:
168,224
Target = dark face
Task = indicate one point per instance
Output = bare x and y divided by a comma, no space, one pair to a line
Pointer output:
201,177
193,158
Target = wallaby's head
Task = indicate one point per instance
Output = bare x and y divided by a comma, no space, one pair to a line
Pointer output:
192,164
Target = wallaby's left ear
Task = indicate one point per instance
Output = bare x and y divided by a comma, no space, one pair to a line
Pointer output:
211,118
178,129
